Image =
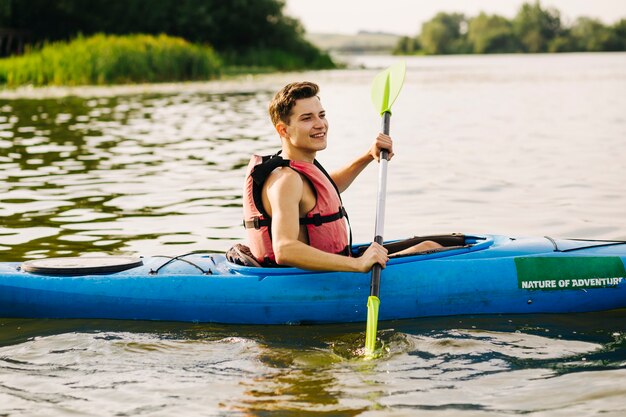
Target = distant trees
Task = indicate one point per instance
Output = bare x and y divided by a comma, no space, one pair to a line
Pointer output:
533,29
491,35
239,30
444,34
408,45
591,35
536,27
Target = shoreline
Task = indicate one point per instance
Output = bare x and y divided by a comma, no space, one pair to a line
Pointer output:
252,82
239,83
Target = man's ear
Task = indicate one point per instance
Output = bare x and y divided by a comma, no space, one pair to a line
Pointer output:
281,129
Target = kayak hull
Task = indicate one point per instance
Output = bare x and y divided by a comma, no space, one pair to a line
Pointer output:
495,275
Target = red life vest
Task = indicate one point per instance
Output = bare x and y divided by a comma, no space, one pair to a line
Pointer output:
325,225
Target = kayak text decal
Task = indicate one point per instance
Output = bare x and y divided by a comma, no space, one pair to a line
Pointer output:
563,284
569,272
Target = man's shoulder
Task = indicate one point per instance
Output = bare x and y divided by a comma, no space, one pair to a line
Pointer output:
284,176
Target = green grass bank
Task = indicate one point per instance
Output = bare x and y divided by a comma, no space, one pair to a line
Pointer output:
107,59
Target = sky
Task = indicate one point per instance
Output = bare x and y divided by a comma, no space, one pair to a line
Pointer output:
405,17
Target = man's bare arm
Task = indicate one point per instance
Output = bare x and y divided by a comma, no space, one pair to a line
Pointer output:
284,193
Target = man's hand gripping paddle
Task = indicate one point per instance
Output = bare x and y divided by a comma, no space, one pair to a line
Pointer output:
385,90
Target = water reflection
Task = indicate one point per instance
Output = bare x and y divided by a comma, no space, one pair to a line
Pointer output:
83,175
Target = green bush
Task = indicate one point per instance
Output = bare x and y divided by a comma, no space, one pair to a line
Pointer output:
107,59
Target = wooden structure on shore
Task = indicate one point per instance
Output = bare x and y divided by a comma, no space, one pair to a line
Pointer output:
12,41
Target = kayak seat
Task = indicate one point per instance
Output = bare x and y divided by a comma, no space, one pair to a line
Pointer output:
241,255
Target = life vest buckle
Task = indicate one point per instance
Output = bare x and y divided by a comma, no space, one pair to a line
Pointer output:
255,222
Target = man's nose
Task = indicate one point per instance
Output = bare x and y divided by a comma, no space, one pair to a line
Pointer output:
319,122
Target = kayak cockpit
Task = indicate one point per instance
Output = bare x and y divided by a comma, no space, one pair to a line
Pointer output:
452,244
447,242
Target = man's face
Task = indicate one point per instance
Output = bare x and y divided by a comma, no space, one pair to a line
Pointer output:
307,126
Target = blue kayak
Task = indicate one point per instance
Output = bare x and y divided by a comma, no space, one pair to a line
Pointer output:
485,274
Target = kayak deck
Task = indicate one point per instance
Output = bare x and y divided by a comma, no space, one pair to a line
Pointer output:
489,275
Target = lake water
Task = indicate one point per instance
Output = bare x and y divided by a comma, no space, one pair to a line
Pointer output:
517,145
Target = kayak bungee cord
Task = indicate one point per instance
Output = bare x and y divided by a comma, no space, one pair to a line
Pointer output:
611,243
179,258
603,243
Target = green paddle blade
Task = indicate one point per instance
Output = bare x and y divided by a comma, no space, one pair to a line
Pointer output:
372,324
387,86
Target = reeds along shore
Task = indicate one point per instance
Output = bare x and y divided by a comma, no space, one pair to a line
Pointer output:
107,59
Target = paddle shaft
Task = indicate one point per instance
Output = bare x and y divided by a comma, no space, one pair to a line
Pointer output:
380,206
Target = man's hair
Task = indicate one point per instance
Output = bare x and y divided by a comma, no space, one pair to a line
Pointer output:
285,99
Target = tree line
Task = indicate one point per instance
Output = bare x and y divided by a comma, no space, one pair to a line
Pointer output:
243,32
534,29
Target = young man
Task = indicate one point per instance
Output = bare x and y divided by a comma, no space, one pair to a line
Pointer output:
292,209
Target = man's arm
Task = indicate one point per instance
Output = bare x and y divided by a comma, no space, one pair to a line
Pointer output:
284,191
345,176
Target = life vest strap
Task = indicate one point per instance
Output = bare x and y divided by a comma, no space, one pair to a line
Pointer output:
269,164
317,220
256,223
